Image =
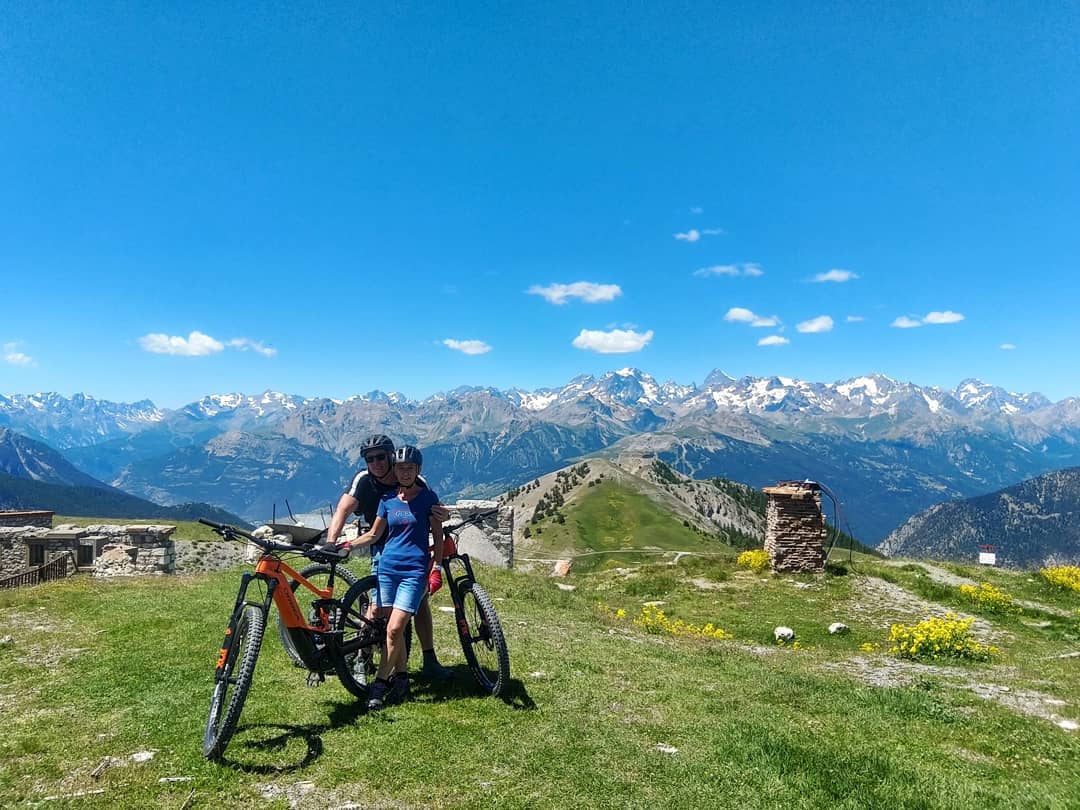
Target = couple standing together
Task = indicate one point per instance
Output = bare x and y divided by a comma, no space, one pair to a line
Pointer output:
402,511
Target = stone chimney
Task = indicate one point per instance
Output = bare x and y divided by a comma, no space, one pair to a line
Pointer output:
795,527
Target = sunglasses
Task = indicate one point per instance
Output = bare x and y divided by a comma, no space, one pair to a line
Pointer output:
375,457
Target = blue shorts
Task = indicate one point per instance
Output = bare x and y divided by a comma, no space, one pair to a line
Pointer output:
375,572
403,591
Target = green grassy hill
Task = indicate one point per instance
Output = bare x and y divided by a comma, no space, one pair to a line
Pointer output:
613,525
602,712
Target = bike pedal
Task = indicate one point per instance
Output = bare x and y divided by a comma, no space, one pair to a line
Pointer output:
314,679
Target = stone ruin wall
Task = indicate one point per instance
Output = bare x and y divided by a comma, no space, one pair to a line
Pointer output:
136,549
39,518
118,550
795,527
150,549
491,541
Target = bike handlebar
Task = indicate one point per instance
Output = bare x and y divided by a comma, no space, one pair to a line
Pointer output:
317,553
470,520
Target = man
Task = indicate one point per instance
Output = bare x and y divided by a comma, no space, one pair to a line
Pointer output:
362,498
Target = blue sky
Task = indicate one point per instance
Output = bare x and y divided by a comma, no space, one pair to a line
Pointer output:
196,199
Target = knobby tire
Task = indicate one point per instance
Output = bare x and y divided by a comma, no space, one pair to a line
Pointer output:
230,691
357,669
482,640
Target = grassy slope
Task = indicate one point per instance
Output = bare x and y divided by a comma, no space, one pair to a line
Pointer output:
102,669
609,522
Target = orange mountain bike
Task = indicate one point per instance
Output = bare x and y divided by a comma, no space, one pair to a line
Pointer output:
335,636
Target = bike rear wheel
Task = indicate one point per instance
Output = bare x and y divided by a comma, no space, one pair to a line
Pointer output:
482,639
318,574
362,638
233,678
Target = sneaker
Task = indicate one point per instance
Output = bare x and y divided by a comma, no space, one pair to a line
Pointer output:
436,671
399,688
379,691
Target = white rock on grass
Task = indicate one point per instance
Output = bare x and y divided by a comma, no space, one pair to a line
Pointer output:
838,628
782,633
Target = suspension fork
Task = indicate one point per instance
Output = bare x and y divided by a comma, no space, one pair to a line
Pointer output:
455,583
238,608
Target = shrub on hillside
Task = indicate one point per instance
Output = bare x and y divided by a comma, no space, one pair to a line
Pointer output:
1066,577
988,597
949,637
653,620
756,560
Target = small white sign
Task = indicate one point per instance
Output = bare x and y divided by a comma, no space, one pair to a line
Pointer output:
987,558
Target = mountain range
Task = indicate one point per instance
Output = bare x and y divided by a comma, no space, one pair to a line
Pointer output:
888,449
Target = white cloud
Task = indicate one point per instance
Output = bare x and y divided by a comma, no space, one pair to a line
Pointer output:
13,356
243,344
743,315
467,346
617,341
697,209
1008,346
194,345
904,322
854,319
835,275
717,270
198,344
948,316
773,340
822,323
693,235
587,291
752,269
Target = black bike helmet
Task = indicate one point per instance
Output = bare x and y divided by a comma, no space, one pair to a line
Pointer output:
409,455
380,441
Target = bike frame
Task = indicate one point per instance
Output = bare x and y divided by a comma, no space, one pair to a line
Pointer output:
276,575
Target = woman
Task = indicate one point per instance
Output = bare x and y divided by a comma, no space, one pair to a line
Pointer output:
405,515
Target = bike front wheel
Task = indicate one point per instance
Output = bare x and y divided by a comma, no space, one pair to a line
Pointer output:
232,679
482,639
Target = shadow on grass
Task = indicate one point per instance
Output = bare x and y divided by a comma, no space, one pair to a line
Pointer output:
260,740
464,686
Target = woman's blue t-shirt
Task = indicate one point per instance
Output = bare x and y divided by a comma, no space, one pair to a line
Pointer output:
405,550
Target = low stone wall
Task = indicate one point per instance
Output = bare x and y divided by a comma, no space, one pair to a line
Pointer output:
14,555
200,556
148,549
492,540
36,517
795,527
135,549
